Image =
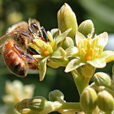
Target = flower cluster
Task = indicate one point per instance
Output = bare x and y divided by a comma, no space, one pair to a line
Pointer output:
80,51
15,92
60,49
51,53
98,97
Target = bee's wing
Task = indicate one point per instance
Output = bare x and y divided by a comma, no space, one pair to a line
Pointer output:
4,38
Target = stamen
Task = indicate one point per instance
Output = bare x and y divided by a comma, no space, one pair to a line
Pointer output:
101,49
88,43
46,53
50,44
90,51
96,52
83,52
85,44
79,47
88,57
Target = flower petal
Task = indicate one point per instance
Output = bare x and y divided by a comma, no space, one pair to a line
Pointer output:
56,63
103,39
97,63
80,39
50,36
71,51
73,64
108,55
61,37
55,32
59,53
42,68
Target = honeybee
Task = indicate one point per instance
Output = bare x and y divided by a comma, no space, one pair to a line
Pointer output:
14,46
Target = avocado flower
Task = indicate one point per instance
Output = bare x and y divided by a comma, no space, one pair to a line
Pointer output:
50,51
89,51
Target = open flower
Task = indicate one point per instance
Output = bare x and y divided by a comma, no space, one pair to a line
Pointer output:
90,51
50,51
16,91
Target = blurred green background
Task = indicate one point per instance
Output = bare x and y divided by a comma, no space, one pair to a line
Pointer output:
12,11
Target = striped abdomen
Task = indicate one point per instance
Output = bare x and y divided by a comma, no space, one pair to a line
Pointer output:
14,60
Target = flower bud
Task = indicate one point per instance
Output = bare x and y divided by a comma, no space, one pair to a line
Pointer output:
105,101
27,111
67,19
22,105
86,28
56,95
102,79
68,42
37,103
88,99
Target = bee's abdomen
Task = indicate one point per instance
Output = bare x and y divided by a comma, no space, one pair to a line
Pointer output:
15,62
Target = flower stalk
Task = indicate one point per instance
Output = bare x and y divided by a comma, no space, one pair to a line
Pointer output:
80,82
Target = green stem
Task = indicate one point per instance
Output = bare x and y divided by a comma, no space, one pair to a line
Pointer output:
70,105
80,81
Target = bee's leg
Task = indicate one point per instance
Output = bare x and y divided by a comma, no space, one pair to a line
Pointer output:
32,62
45,34
19,50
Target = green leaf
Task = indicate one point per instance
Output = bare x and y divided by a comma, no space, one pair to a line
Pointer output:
73,64
61,37
42,68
